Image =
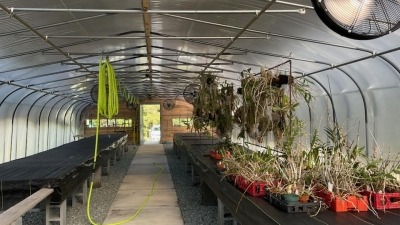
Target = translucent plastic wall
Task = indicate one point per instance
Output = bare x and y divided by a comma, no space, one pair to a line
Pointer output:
33,122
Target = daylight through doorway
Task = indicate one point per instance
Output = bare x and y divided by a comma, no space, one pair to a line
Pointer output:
150,131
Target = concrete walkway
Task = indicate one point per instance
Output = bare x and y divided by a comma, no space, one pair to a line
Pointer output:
163,206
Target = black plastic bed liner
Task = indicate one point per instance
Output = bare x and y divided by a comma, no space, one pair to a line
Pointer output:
61,168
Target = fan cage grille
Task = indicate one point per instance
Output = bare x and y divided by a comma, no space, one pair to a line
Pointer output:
364,17
190,92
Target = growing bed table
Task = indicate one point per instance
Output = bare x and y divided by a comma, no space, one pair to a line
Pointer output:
256,211
62,168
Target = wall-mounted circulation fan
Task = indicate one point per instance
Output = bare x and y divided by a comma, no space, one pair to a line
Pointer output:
131,106
359,19
190,92
169,104
94,93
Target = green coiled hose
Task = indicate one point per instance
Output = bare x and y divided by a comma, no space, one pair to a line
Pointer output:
107,103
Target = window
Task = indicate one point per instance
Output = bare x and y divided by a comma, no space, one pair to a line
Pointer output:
92,123
181,122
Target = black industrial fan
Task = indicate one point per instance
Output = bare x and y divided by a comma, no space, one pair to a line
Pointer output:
359,19
190,92
168,104
131,106
94,93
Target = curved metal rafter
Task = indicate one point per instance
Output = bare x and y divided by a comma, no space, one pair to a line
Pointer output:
27,121
57,115
12,124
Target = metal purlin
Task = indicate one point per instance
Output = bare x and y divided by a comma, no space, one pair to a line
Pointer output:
297,38
374,54
56,121
1,103
240,33
333,66
68,85
44,49
9,12
314,41
27,122
12,124
48,120
28,87
56,24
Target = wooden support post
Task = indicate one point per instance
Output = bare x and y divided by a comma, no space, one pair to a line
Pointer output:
13,214
97,178
56,213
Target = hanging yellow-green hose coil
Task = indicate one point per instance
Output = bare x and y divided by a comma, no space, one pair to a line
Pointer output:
107,105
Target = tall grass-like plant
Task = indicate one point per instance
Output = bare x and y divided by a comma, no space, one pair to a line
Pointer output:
381,174
340,164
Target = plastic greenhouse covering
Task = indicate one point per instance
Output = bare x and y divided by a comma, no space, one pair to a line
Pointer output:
49,57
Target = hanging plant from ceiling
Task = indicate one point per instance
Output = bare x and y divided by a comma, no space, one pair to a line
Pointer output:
268,102
205,105
226,106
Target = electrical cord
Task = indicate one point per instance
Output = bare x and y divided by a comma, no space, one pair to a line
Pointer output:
107,105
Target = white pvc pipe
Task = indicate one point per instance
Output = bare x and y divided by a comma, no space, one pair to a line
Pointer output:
142,37
302,10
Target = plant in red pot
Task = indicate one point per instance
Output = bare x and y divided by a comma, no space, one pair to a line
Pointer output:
340,173
381,176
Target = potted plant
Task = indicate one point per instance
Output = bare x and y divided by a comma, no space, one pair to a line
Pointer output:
252,171
223,149
339,173
381,179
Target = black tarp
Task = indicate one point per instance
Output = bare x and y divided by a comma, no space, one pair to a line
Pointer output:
61,168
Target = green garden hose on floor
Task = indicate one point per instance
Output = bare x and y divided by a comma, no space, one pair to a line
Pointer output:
107,105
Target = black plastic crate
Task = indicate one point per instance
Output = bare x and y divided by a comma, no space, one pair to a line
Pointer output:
294,207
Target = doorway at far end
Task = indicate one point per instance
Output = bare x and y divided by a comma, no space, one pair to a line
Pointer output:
150,132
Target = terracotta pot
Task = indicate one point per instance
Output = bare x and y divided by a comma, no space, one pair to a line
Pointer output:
304,198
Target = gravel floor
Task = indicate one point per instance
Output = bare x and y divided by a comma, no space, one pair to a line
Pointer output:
101,198
189,196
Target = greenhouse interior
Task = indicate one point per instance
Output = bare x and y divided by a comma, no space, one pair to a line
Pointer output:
199,112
